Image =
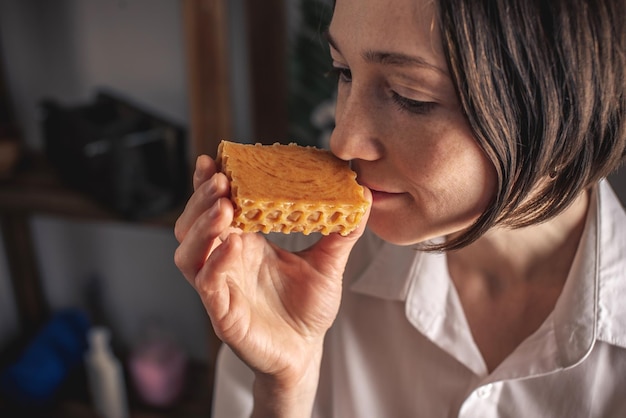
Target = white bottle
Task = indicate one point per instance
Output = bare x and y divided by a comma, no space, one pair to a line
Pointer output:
106,377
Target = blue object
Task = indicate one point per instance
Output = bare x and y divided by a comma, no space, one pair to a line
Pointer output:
47,360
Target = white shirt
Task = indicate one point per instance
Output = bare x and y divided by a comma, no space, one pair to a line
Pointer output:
401,346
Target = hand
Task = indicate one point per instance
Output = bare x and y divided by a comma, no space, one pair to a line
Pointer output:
272,307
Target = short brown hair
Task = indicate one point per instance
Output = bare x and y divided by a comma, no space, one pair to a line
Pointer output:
542,84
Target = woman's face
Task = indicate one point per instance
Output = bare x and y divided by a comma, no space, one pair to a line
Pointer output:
399,121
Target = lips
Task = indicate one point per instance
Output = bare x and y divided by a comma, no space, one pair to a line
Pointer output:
375,188
378,188
380,194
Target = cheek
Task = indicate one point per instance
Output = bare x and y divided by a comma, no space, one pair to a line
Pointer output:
473,183
449,166
433,153
473,169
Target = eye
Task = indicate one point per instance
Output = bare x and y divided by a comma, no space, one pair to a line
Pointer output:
413,106
342,74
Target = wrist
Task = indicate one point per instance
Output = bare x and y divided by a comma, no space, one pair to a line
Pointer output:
287,394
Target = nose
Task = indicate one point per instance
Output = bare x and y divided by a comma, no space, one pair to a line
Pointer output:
358,128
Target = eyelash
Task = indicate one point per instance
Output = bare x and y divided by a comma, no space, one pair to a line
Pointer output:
344,75
341,74
413,106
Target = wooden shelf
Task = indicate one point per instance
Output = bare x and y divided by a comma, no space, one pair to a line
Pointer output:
36,189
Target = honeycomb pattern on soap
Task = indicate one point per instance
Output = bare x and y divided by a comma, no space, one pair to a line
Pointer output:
291,188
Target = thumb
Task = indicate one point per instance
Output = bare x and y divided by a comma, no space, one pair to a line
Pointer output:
330,254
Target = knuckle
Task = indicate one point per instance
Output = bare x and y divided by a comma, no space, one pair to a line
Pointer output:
180,259
178,231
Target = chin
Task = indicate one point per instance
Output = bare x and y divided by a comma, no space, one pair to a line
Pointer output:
399,230
395,233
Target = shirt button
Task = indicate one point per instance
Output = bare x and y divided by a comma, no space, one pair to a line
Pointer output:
484,391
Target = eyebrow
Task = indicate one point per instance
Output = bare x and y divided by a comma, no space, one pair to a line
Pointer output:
389,58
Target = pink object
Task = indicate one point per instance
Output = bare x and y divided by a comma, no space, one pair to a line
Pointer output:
158,370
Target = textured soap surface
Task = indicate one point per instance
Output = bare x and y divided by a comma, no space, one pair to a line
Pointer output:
291,188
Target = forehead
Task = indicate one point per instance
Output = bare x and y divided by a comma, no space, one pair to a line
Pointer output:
404,26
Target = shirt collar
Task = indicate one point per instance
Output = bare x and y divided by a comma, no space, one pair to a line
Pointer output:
611,268
389,273
421,280
589,307
574,319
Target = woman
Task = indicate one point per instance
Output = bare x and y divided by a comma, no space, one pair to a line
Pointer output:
482,131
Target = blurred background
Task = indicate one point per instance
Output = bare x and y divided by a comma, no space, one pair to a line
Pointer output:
98,95
104,105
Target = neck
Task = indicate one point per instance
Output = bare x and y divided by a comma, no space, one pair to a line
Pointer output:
539,252
509,281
